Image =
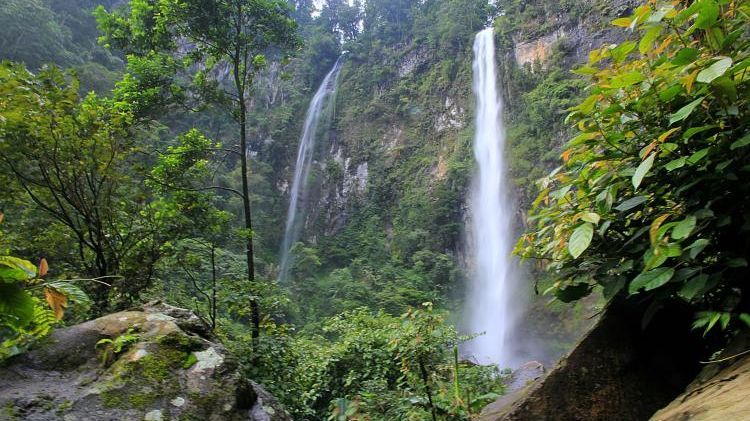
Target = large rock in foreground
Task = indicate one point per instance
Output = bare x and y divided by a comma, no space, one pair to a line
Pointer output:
156,363
618,371
719,393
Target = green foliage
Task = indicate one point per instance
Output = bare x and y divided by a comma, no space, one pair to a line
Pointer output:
643,204
61,32
376,366
32,34
23,316
229,34
112,347
72,159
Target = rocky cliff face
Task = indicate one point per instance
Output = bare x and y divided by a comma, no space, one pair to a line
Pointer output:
154,363
404,116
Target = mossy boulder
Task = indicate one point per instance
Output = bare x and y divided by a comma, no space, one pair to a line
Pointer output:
155,363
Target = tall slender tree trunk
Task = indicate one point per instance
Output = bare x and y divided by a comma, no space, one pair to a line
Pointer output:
254,311
213,287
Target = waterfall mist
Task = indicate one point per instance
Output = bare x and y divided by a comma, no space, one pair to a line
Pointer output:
492,306
295,213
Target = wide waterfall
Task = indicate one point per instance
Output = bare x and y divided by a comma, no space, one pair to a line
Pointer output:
295,213
491,306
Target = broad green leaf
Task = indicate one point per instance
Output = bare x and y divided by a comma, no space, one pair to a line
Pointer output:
697,156
10,275
592,217
642,170
695,130
685,111
675,164
692,287
673,250
657,16
622,22
653,258
708,13
664,229
585,70
684,228
715,70
651,280
621,52
631,203
707,319
685,274
685,56
669,147
668,94
586,107
626,79
13,269
580,239
647,42
697,247
741,143
16,305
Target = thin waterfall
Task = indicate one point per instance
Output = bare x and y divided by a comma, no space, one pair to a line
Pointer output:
491,307
295,213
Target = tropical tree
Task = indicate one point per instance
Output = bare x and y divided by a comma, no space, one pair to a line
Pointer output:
186,206
212,38
649,200
71,158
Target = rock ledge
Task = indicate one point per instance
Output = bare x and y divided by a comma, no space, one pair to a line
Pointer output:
169,368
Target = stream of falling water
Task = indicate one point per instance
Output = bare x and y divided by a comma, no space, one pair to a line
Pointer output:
295,213
490,306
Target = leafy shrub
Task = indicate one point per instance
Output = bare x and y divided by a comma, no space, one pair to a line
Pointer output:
23,316
650,199
374,366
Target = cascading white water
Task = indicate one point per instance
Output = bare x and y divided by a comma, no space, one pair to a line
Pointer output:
297,194
491,306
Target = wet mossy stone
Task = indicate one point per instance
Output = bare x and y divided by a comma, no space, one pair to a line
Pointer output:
174,370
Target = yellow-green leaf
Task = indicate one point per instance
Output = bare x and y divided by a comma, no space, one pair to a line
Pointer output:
647,42
642,170
685,111
715,70
622,22
580,239
626,80
684,228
